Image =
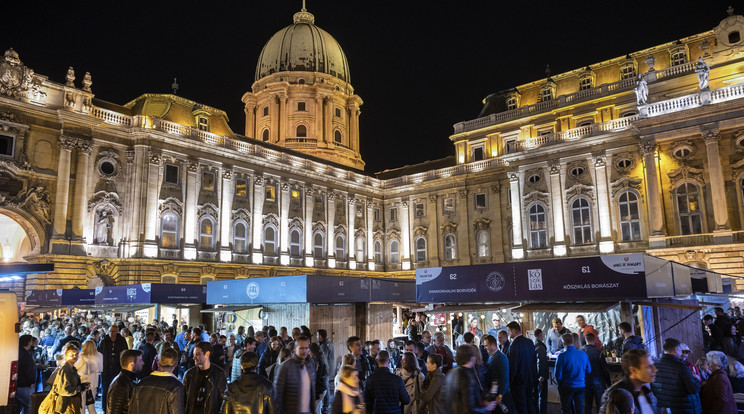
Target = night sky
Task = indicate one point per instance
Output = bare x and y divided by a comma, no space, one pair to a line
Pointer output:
420,67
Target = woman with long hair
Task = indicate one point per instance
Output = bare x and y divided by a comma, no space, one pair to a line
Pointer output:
412,377
347,359
67,385
348,399
89,365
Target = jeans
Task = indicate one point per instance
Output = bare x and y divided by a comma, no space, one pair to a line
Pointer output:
593,394
542,397
23,399
572,400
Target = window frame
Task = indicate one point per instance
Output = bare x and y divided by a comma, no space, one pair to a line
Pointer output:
266,110
270,193
244,239
320,246
301,131
12,140
393,214
175,232
690,216
340,248
295,244
538,235
377,250
482,249
273,242
359,252
202,123
237,191
580,231
265,135
203,235
178,174
450,247
420,250
419,210
301,106
214,181
475,149
394,256
627,222
480,206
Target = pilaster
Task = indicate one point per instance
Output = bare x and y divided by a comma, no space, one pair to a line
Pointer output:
331,236
151,208
308,231
559,230
190,210
516,207
599,162
284,224
655,213
722,231
59,241
405,235
350,237
259,194
226,215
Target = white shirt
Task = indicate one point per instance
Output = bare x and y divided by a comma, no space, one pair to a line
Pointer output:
304,390
645,406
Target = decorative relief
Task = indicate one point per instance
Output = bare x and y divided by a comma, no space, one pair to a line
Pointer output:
171,204
535,197
193,166
84,145
555,168
393,234
686,173
285,186
647,147
360,233
104,267
296,223
155,158
34,201
272,219
462,193
227,173
579,190
577,171
513,177
340,229
208,209
624,162
481,224
319,226
8,116
420,231
599,160
102,198
711,135
258,181
309,191
737,169
241,214
449,227
15,78
67,142
626,183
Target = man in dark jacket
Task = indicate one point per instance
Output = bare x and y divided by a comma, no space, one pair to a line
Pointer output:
69,337
148,353
675,386
120,391
543,375
111,347
638,372
599,377
250,392
631,341
295,382
205,383
522,370
26,380
361,363
269,357
462,390
497,369
161,392
385,391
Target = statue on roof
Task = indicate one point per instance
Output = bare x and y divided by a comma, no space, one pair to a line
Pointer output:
703,72
641,91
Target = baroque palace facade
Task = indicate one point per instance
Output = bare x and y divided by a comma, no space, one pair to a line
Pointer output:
633,154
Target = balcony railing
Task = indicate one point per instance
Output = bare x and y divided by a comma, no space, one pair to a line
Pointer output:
572,134
690,240
691,101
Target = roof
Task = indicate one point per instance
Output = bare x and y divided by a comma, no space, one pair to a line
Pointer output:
416,168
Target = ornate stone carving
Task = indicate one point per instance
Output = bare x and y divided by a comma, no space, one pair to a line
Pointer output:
227,173
87,82
309,191
686,173
67,142
340,229
171,204
35,201
331,196
535,197
578,190
272,219
319,226
296,223
449,227
555,168
169,269
462,193
101,198
258,181
192,166
432,198
155,158
626,183
711,135
70,77
285,186
513,177
420,231
8,117
599,160
208,209
495,188
481,224
647,147
104,267
15,78
85,146
624,162
241,214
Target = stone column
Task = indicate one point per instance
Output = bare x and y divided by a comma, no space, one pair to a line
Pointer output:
226,215
717,185
275,123
62,196
284,224
655,213
189,214
516,210
139,166
328,127
559,230
283,118
331,233
405,235
319,115
259,194
79,207
308,231
250,119
151,206
606,245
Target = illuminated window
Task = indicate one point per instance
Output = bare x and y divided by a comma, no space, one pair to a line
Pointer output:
265,135
171,174
688,209
378,252
318,245
628,70
630,221
241,188
359,249
340,248
418,209
294,198
301,106
269,240
450,249
420,250
582,222
206,234
482,243
240,237
480,201
208,183
169,230
270,193
301,131
295,243
538,227
203,123
546,94
394,252
678,54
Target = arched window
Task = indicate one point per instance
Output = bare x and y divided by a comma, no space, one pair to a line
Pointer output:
630,221
688,209
269,241
301,131
450,249
538,227
378,252
359,249
582,222
482,243
169,230
394,252
318,245
420,250
206,234
340,248
265,135
240,237
295,243
337,137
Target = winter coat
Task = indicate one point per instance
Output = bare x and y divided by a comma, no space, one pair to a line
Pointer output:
385,392
249,393
627,385
462,394
675,387
717,396
120,392
433,394
111,350
215,391
288,382
632,342
414,388
158,393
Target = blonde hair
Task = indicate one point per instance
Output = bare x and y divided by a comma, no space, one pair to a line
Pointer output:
89,348
348,360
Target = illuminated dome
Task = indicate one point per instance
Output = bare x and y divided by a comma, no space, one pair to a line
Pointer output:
303,46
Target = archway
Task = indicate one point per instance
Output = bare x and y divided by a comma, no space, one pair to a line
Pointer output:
15,241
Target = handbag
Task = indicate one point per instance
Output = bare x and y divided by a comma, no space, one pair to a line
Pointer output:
48,406
89,399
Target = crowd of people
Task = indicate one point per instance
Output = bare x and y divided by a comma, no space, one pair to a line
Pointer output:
162,368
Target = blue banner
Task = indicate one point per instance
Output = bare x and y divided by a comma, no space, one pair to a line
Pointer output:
612,277
393,290
283,289
61,297
154,293
337,289
74,297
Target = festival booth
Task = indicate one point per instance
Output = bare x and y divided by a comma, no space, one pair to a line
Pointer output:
150,301
653,295
344,306
51,300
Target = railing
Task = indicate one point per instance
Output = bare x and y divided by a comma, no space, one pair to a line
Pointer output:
472,167
675,70
691,240
673,105
573,134
111,117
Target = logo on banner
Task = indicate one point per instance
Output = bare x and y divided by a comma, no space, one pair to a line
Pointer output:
495,282
131,294
252,290
534,277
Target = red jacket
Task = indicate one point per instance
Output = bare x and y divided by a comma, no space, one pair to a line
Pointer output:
717,395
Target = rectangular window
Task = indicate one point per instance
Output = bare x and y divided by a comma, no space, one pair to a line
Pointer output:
448,205
294,198
338,112
359,210
679,58
301,106
203,124
477,153
377,215
7,145
585,83
266,111
546,94
171,174
208,181
510,146
418,209
319,205
627,72
511,104
270,193
480,200
393,213
241,188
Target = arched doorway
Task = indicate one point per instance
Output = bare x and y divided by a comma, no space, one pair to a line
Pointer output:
15,242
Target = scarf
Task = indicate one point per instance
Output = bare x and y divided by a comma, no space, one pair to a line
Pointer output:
350,396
